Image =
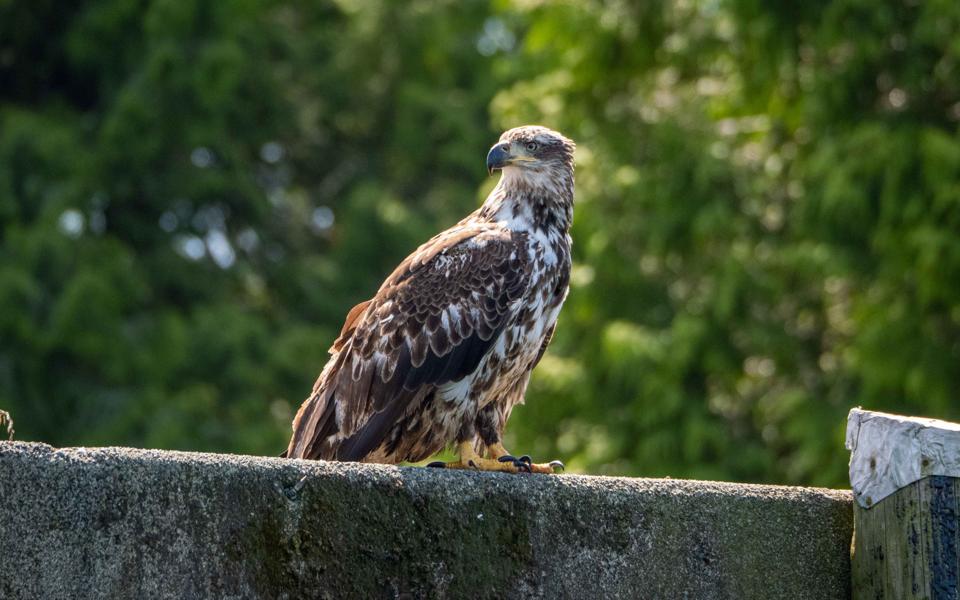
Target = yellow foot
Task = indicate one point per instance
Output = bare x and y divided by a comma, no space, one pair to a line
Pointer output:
523,463
500,460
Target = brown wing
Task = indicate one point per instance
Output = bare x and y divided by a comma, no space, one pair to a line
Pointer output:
349,325
430,323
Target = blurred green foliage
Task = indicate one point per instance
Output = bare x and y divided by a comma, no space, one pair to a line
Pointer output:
193,194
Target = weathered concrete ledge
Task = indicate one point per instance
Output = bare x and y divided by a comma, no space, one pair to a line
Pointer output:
122,523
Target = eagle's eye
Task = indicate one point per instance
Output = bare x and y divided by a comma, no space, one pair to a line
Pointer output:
531,146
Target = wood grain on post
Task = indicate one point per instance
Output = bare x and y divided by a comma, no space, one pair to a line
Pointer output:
905,474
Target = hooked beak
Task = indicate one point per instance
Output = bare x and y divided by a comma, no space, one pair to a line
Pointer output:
498,157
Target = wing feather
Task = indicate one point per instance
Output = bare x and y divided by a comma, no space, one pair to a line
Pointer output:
349,325
432,322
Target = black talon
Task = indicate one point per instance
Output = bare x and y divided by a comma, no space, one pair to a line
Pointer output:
507,458
556,464
522,466
437,464
526,458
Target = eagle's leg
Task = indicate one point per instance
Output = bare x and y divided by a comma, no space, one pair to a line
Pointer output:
469,459
497,452
489,424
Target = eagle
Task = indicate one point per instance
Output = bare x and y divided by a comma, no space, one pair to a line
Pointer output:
443,352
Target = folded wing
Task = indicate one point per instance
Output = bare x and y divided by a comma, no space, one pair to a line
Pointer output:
432,322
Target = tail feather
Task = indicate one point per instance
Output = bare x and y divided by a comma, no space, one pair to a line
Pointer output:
316,419
314,423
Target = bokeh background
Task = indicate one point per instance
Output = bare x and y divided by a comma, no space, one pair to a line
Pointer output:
193,193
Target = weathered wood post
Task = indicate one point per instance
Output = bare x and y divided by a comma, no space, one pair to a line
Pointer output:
905,474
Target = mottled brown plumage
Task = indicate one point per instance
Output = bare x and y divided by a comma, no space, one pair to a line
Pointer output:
444,350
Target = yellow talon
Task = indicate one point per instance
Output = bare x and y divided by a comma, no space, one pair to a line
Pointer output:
499,460
469,459
497,450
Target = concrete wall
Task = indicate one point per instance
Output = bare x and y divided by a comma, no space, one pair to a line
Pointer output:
123,523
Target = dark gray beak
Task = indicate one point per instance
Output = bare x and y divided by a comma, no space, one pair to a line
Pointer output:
498,157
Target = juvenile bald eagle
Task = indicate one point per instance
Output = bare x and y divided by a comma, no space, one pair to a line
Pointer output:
444,350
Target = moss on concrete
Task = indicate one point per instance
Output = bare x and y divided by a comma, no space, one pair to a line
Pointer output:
121,523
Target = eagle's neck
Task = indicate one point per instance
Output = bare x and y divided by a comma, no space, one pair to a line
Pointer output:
528,200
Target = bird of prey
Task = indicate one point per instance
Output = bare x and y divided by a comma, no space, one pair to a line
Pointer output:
444,350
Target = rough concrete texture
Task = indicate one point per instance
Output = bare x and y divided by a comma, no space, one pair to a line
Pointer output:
122,523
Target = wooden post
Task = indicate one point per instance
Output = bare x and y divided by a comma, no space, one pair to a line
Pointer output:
905,474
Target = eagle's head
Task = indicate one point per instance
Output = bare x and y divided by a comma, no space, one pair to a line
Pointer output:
536,189
531,151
